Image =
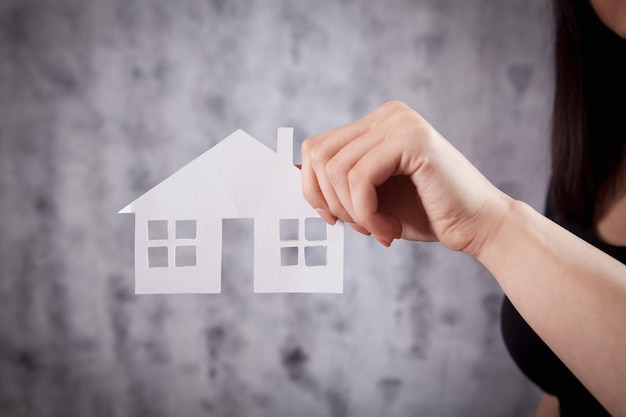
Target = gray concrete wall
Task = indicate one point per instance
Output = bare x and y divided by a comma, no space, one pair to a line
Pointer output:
100,100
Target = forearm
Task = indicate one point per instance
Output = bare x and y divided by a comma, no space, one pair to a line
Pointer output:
572,294
548,406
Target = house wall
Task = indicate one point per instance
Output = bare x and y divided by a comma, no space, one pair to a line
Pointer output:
203,277
100,100
269,273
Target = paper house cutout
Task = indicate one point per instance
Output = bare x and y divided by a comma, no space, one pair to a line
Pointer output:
178,223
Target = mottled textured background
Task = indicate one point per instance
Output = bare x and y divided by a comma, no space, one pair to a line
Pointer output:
100,100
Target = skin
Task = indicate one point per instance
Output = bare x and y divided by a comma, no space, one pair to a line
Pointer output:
392,175
548,406
610,223
393,191
612,13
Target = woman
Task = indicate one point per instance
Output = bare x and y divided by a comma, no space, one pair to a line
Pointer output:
586,185
393,176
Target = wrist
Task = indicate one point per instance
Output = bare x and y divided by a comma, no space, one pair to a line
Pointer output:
505,224
495,225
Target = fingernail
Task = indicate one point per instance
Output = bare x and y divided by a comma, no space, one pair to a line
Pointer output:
359,229
330,219
383,242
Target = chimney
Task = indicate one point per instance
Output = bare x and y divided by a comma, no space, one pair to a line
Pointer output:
284,145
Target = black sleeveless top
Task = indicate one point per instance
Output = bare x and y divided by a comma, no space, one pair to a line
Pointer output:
537,360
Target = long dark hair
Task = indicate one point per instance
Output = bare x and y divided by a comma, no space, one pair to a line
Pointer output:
588,128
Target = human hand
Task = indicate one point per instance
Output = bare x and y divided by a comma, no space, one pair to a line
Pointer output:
392,175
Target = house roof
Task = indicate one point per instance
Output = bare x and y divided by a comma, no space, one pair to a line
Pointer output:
238,177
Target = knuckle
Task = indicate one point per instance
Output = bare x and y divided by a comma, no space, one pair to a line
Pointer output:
355,177
317,155
395,105
363,215
335,170
359,217
307,145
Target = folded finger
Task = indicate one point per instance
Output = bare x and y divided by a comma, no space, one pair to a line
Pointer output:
320,152
344,160
372,170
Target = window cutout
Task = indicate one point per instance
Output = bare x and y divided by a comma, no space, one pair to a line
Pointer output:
157,229
315,229
289,256
185,256
157,257
185,229
315,255
288,229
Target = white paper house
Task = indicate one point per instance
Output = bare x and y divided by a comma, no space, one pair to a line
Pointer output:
178,223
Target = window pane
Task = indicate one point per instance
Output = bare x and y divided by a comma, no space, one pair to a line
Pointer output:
288,229
157,257
315,229
157,229
289,256
185,256
185,229
315,255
